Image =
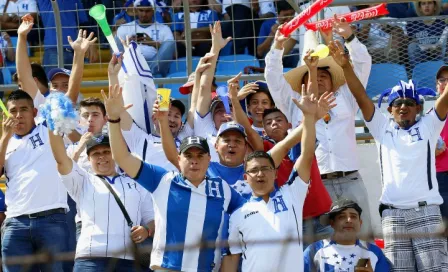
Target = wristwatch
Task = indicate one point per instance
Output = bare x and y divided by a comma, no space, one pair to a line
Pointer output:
350,38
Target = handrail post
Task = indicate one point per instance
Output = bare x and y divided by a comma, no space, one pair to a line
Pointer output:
187,30
57,22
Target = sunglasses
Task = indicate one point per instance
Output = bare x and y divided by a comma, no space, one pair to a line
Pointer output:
406,102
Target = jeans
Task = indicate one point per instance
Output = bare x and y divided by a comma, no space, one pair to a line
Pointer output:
442,179
50,60
160,63
78,230
71,229
314,231
104,264
24,236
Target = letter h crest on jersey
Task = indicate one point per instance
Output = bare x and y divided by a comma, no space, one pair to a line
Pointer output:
36,140
214,188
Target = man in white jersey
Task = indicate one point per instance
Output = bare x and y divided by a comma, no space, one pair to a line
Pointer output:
106,236
189,206
410,199
36,200
156,40
274,213
344,251
336,153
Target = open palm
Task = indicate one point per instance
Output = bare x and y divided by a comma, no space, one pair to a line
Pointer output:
338,53
216,33
114,102
308,102
82,43
325,104
26,25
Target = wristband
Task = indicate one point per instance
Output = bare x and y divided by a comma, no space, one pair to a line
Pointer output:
113,121
351,38
147,229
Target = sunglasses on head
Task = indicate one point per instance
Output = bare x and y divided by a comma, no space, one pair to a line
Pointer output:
407,102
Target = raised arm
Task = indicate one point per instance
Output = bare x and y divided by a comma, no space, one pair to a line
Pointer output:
80,47
114,108
240,116
204,97
168,144
23,65
7,131
63,161
10,56
441,105
203,65
356,87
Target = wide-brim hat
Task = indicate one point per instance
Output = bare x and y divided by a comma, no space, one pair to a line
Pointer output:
295,76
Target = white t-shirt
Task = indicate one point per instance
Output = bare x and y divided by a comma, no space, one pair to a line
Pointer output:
279,219
19,7
407,159
32,177
205,127
149,147
157,32
104,228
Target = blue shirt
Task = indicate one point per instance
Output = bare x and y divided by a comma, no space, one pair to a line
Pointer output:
2,202
187,214
265,30
198,19
327,255
69,20
425,34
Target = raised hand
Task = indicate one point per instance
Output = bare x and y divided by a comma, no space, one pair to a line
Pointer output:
203,63
247,89
114,102
8,127
235,79
217,40
158,114
280,39
338,54
311,62
325,104
114,65
82,43
341,27
26,25
327,35
307,103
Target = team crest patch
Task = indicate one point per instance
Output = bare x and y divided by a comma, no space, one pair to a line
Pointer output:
99,139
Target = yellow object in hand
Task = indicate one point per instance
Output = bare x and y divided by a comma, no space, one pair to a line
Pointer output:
321,51
4,109
163,96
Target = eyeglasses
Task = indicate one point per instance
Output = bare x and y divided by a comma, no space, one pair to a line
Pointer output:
406,102
442,80
255,171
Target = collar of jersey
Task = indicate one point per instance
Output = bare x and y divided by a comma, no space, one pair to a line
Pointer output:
111,181
406,128
144,26
259,198
333,242
20,137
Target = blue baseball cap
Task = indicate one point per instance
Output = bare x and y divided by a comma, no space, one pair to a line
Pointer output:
231,126
143,3
58,71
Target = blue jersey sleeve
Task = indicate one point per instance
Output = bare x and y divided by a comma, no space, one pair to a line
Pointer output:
2,202
383,263
236,201
309,254
149,176
178,22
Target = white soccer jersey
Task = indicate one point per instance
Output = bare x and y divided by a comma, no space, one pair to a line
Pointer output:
104,228
279,219
148,147
205,127
157,32
31,173
20,7
186,214
83,160
407,159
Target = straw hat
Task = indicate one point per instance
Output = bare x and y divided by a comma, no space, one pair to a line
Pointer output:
295,76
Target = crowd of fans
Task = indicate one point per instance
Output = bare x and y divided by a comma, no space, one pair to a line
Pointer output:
259,178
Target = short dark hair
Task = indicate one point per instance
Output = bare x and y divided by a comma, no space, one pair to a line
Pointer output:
266,112
332,216
19,95
283,5
93,102
257,155
37,71
264,90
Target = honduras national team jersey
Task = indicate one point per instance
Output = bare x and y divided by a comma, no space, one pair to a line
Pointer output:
326,255
186,214
234,176
279,219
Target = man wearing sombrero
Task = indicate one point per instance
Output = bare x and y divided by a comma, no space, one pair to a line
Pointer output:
336,152
409,204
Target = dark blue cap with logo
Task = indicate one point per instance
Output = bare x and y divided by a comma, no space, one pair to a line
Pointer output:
194,141
231,126
96,140
58,71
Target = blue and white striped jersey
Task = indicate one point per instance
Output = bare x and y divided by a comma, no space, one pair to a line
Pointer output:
186,215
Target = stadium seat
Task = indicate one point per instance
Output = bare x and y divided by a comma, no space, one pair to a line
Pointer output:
424,74
233,64
384,76
180,65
